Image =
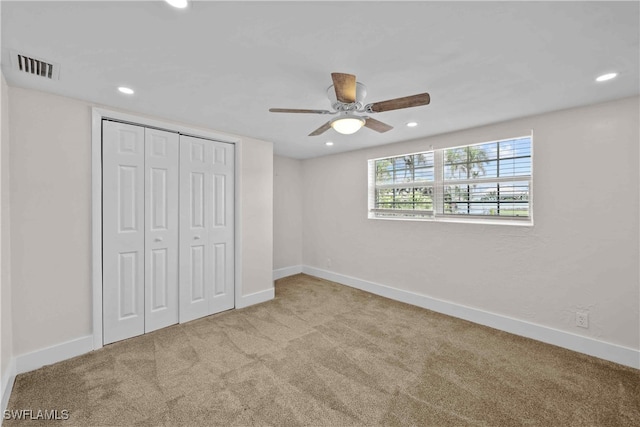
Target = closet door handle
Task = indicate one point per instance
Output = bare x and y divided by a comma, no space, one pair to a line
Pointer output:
158,239
196,238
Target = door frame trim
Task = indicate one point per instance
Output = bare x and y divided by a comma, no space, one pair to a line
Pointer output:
97,115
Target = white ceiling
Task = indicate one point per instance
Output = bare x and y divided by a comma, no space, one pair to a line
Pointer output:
222,65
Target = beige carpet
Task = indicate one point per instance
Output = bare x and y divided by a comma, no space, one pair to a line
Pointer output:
322,354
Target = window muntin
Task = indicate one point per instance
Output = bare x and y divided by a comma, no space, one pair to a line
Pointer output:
488,181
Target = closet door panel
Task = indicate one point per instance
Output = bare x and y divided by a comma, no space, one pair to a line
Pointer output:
161,228
206,227
123,231
195,202
222,230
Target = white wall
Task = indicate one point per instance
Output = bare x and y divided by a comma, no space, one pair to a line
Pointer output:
6,324
257,215
51,218
581,254
287,212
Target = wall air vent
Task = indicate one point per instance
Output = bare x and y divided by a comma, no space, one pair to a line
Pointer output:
35,66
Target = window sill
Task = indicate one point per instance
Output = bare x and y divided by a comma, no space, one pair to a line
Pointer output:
516,223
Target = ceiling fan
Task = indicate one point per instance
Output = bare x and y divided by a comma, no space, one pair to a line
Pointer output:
347,96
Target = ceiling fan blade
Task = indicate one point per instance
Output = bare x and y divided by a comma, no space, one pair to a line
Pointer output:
377,125
345,86
322,129
398,103
295,110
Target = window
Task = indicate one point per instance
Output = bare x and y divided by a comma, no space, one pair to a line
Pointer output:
490,180
404,186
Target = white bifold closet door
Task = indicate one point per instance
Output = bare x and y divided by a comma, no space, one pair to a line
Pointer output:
140,230
206,227
168,229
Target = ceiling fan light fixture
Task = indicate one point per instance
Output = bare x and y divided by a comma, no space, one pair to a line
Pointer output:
347,124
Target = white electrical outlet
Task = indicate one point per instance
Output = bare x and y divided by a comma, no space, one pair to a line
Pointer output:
328,262
582,319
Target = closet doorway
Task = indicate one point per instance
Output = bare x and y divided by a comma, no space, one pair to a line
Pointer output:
168,240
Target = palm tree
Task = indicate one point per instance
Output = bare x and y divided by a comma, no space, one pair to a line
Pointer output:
453,158
476,159
410,167
467,163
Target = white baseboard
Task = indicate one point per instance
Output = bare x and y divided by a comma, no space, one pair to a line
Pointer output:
603,350
7,384
256,298
56,353
286,272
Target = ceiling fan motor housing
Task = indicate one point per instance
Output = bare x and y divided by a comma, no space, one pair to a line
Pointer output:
361,93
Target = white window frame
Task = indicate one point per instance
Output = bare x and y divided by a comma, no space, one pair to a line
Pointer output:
437,214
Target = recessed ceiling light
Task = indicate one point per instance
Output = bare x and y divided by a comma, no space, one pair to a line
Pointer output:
328,143
126,90
412,124
605,77
180,4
